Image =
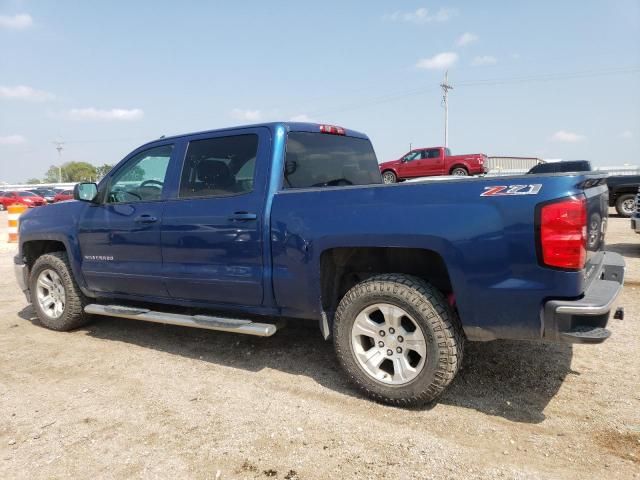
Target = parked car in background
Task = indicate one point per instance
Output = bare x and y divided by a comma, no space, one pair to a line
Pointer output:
622,193
21,197
428,162
47,193
557,167
635,217
227,229
63,195
4,201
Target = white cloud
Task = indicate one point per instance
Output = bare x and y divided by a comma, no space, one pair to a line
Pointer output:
246,115
440,61
22,92
567,137
302,117
112,114
466,38
422,16
484,60
12,140
16,22
515,56
626,134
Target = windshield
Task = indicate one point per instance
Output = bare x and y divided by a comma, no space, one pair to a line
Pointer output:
26,194
322,160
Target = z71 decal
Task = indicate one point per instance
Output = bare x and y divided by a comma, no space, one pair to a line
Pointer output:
511,190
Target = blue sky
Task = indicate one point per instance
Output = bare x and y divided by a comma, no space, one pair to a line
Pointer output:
546,78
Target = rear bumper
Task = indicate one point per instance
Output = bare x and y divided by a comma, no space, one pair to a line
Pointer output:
635,224
584,320
22,272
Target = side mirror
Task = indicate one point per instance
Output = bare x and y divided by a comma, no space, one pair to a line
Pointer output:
85,192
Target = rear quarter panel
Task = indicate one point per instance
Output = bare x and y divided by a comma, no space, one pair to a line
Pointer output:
488,245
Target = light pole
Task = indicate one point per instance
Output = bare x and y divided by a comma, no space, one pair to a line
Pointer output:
59,147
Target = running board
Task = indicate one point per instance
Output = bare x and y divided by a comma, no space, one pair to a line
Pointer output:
207,322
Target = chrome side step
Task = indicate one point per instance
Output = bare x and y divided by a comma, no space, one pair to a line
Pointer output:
222,324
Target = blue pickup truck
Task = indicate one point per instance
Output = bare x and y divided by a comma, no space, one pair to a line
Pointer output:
243,229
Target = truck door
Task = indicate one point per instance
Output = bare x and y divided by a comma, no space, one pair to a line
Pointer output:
212,243
434,161
411,166
120,237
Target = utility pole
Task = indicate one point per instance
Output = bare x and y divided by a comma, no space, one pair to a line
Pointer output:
445,101
59,147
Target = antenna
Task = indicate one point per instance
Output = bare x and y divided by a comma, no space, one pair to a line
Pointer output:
445,101
59,147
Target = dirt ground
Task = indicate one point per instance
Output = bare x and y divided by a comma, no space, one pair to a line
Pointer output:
123,399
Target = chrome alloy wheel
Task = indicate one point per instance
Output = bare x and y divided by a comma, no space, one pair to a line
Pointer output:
50,293
629,206
388,344
388,177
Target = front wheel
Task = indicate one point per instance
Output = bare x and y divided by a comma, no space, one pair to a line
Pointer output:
459,172
389,177
2,207
398,340
56,297
626,204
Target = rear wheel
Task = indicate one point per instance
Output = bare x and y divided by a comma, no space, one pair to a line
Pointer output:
459,172
626,204
56,297
398,340
389,177
2,207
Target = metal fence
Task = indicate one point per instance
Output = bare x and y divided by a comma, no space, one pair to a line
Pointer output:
623,170
499,166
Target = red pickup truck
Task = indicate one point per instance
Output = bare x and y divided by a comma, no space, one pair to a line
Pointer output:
428,162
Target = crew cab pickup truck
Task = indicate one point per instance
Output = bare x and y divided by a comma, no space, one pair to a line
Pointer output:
428,162
241,229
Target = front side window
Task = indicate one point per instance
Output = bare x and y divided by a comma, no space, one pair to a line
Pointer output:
142,177
218,167
411,156
26,194
321,160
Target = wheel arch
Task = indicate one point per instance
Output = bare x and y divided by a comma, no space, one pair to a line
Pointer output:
392,170
33,247
459,165
343,267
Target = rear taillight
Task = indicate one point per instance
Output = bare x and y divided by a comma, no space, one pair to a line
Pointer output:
332,129
563,233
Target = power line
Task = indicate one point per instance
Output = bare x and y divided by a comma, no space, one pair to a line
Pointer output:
485,82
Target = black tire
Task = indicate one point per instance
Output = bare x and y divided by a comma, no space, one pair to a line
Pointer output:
622,202
389,177
459,172
73,315
438,322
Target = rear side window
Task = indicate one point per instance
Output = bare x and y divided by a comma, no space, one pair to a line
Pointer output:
218,167
321,160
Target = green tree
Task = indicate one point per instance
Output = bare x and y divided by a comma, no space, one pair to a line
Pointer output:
78,172
72,172
103,170
33,181
51,176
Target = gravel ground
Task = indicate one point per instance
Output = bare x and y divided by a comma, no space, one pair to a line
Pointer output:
122,399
